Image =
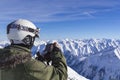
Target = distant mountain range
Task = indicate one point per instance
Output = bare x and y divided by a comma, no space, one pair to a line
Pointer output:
95,59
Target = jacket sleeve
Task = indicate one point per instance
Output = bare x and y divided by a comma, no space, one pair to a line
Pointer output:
59,64
37,70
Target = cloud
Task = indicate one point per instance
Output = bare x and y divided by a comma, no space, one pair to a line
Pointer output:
54,10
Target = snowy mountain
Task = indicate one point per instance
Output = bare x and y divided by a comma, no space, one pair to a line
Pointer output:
3,44
95,59
72,75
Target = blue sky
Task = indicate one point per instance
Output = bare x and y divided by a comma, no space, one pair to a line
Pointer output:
60,19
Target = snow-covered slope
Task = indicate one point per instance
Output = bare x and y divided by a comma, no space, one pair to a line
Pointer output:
72,75
3,44
96,59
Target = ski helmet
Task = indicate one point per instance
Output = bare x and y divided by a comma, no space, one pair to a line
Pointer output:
22,31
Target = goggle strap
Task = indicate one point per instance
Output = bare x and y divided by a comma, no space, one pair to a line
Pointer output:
20,27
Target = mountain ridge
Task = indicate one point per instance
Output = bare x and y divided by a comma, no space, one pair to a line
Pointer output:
96,59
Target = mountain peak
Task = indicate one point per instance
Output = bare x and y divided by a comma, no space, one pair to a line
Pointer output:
96,59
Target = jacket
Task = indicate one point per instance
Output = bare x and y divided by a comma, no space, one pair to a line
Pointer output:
16,64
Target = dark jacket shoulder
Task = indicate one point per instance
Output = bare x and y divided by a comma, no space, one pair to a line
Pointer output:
13,55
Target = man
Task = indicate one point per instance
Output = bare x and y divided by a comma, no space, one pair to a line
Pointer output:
16,62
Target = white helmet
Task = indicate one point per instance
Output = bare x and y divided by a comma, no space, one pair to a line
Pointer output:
22,31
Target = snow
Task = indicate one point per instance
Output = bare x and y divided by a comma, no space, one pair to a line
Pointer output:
74,76
96,59
117,52
4,43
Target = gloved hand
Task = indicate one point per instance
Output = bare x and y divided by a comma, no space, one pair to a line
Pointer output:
39,57
49,49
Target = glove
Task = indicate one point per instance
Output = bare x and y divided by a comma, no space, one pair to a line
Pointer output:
39,57
49,49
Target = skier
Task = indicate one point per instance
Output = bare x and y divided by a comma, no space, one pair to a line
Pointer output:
16,62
